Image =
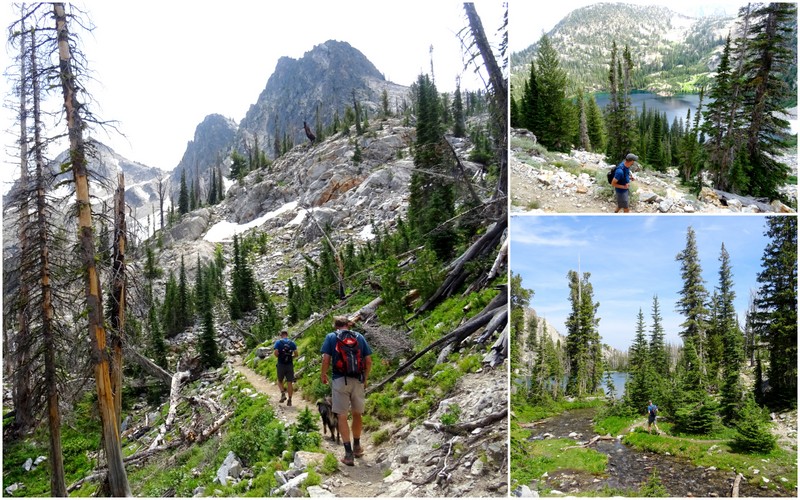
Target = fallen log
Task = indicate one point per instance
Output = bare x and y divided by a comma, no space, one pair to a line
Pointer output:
471,326
592,441
724,196
735,489
467,427
147,365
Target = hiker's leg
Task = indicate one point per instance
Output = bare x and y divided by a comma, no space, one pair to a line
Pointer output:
340,404
356,425
290,382
358,403
344,428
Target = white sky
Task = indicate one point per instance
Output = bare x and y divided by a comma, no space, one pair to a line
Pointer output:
162,67
527,20
631,258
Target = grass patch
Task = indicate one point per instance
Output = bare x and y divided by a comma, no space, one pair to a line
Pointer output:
613,424
525,412
381,437
534,458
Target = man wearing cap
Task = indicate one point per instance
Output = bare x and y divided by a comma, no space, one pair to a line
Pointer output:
621,182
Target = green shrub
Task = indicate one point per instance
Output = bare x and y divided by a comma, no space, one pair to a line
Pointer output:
451,416
330,464
653,487
752,430
380,437
418,409
384,405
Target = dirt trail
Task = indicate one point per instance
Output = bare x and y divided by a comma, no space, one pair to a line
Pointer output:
365,479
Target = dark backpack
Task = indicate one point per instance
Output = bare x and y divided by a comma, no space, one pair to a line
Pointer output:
285,353
653,411
347,359
610,174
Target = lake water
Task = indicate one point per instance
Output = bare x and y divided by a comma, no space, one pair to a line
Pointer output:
619,379
673,106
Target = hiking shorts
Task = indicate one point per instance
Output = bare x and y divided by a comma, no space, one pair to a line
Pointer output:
623,198
347,396
286,372
651,419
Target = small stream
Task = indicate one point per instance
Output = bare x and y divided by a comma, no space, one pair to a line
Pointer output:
629,469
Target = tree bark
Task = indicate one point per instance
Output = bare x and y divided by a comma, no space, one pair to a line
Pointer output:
118,298
117,477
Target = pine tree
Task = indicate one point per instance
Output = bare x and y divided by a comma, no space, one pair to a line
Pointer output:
733,354
721,121
638,389
519,299
554,130
752,430
619,112
659,357
184,316
583,339
431,193
459,126
183,197
692,303
595,125
776,304
583,127
769,55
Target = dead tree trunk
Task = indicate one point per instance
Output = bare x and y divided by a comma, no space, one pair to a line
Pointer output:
474,324
499,96
117,477
148,366
58,485
457,275
21,347
118,300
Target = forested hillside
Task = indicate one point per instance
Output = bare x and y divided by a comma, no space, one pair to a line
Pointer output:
732,142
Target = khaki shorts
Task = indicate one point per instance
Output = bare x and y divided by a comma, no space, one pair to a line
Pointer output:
349,396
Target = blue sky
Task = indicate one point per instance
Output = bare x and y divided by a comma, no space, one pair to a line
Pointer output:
631,259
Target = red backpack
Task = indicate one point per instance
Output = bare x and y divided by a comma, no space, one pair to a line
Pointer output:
347,359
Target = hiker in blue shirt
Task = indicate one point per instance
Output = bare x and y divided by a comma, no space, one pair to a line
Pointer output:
652,411
350,357
621,182
285,350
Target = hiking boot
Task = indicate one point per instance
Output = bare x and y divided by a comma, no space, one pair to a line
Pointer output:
347,459
289,403
358,451
283,397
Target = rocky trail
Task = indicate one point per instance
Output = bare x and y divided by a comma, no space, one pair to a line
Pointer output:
576,183
362,480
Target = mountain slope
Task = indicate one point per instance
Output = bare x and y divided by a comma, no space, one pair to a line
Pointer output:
666,46
322,81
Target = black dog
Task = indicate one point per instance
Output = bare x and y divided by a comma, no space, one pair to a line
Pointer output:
329,419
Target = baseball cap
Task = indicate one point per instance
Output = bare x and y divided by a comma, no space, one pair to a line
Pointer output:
631,157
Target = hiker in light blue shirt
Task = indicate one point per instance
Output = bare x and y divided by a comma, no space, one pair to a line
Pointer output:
621,182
